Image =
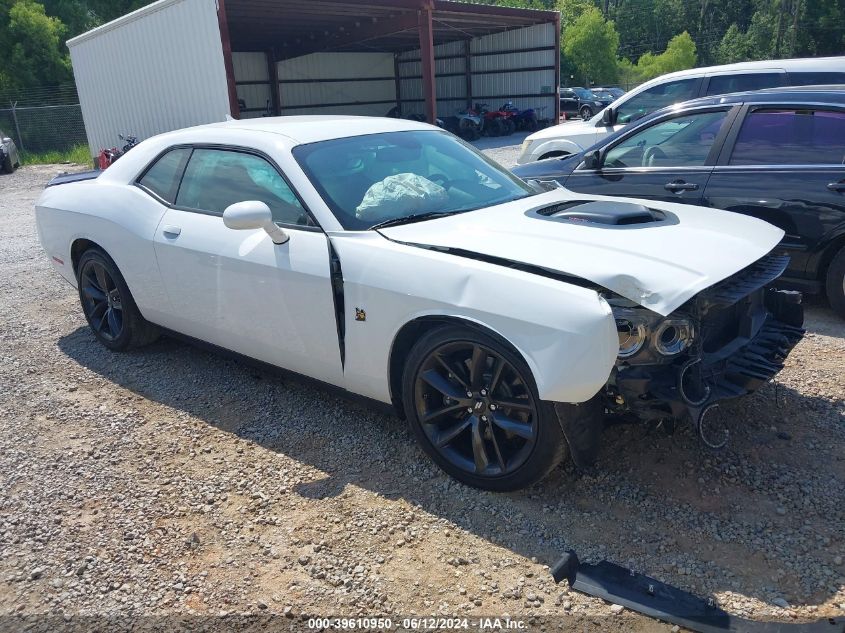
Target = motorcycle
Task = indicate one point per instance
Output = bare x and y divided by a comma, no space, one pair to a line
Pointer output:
110,155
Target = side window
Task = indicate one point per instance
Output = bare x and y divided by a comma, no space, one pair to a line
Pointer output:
216,179
683,141
725,84
655,98
790,136
163,177
816,79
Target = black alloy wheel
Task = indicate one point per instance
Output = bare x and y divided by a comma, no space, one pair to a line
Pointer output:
473,405
586,113
101,300
108,305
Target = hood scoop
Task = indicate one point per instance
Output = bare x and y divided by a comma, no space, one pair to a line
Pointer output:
601,212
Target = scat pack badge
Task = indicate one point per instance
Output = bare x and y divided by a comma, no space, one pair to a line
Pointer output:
360,315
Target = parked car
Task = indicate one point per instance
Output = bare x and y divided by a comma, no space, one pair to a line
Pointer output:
9,157
579,102
390,259
608,94
775,154
561,140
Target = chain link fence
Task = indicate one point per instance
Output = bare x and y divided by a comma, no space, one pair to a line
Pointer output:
43,119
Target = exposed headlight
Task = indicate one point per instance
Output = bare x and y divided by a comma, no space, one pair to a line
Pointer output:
631,337
672,336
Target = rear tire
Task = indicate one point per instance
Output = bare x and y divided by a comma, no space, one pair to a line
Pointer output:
108,305
7,165
835,283
502,437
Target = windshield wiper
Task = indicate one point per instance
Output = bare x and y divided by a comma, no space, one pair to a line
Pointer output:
414,217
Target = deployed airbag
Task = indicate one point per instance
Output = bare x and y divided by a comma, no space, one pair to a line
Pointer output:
401,194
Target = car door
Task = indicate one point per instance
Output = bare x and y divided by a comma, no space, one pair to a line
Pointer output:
237,289
784,164
568,102
666,159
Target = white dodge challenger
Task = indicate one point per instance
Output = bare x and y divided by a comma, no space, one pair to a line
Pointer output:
390,259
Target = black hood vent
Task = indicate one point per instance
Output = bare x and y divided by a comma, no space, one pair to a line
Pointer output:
608,213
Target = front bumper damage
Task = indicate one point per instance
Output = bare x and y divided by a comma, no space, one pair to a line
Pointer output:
744,331
655,599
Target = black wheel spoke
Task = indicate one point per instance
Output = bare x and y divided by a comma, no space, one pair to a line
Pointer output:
102,278
509,403
522,429
496,448
479,452
452,433
457,371
477,365
92,292
114,322
498,367
443,385
432,416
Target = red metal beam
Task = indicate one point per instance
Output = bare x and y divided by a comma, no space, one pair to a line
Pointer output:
223,23
427,57
556,86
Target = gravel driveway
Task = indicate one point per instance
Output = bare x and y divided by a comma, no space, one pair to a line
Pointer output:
171,481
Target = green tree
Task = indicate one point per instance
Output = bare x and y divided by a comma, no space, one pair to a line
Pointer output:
34,46
679,55
590,44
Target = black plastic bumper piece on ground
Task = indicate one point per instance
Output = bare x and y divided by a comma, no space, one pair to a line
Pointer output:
655,599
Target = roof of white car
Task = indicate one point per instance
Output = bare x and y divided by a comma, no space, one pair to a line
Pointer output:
310,129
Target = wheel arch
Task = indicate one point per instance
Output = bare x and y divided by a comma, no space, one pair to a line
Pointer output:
78,247
413,330
835,245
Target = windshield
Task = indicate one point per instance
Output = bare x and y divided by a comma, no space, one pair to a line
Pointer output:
583,93
371,179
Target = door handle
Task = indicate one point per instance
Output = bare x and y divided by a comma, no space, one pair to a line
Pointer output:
171,231
837,186
680,185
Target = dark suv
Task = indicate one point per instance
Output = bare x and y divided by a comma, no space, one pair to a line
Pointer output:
776,154
580,102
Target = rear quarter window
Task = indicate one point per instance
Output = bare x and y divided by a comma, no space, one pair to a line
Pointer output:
162,178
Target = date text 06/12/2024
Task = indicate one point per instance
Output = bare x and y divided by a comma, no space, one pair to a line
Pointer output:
421,623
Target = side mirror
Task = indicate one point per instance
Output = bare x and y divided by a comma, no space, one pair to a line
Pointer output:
608,117
592,160
5,140
251,215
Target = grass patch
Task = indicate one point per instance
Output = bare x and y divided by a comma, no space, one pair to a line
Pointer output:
77,154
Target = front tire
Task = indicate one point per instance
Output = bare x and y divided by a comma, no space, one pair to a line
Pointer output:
473,406
6,165
108,305
835,283
586,113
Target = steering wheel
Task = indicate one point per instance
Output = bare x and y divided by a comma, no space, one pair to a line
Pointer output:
651,155
441,180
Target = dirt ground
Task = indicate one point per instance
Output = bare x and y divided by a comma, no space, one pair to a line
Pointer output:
170,482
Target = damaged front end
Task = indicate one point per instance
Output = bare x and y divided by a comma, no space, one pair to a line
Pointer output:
725,342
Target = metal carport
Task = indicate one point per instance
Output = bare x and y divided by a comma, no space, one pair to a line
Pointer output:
177,63
427,56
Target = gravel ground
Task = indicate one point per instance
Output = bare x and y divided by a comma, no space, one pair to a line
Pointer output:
172,482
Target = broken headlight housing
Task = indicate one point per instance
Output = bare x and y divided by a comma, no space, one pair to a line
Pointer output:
647,338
